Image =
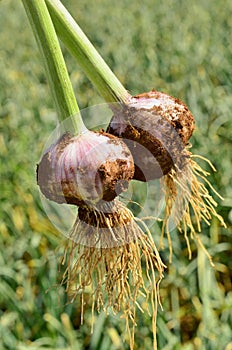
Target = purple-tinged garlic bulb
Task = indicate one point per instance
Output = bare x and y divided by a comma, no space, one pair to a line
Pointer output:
85,169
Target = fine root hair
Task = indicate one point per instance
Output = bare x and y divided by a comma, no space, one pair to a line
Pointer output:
189,203
122,277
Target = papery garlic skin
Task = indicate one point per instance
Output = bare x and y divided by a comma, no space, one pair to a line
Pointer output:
85,169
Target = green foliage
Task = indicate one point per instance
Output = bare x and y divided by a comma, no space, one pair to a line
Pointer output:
181,47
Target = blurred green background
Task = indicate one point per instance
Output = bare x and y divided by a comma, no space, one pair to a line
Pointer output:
181,47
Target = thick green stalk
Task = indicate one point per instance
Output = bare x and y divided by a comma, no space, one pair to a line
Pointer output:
55,67
87,56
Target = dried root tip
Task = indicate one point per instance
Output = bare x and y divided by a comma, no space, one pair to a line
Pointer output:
109,224
189,202
114,275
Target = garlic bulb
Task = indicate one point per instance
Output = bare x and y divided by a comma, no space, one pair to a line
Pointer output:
85,169
156,127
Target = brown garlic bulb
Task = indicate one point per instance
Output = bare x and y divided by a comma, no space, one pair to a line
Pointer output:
156,127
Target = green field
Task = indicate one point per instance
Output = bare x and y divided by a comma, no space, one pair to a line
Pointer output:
179,47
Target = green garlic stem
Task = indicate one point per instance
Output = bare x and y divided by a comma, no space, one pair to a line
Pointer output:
54,63
87,56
